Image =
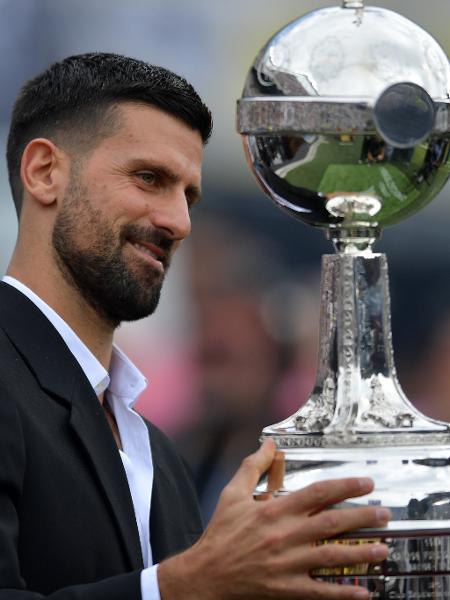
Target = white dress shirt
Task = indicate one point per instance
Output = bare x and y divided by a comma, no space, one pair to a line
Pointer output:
122,386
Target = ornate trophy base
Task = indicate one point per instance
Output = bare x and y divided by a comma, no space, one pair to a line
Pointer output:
417,568
406,480
358,423
431,586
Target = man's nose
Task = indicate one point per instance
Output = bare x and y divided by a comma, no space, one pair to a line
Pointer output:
172,215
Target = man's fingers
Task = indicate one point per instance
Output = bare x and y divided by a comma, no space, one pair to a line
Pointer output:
251,469
334,554
331,523
320,590
317,496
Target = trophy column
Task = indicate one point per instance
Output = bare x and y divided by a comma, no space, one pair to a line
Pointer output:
357,398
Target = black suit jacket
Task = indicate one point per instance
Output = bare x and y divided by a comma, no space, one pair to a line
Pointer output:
67,524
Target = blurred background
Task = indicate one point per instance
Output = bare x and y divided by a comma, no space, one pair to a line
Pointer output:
232,346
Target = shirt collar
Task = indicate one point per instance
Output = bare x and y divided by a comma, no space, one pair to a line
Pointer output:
127,382
124,379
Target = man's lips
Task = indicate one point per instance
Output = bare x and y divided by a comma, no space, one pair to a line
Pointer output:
152,253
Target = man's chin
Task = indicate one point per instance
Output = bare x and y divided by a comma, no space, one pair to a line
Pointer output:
134,311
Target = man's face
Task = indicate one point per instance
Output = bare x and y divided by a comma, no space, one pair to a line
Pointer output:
126,210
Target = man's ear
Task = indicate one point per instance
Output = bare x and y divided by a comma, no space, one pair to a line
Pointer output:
43,170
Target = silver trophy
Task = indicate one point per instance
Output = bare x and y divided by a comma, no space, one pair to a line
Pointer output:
345,117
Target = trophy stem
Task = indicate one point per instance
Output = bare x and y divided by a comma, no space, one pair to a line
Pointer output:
357,398
354,239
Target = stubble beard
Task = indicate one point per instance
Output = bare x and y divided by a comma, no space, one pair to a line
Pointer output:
98,270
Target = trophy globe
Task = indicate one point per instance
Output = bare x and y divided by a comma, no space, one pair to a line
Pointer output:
345,118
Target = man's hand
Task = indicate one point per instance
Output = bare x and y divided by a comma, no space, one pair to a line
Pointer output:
263,550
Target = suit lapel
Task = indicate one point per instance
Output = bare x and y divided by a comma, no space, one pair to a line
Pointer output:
175,521
165,535
89,423
60,375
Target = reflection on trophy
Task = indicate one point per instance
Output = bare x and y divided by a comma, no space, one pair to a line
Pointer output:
346,118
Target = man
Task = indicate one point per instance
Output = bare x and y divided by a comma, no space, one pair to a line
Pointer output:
104,159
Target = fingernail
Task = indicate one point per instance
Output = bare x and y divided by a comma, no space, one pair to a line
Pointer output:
383,515
378,551
365,482
269,442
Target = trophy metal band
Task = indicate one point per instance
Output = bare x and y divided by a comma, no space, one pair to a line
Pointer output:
345,117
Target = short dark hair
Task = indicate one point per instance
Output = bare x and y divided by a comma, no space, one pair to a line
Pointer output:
73,102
